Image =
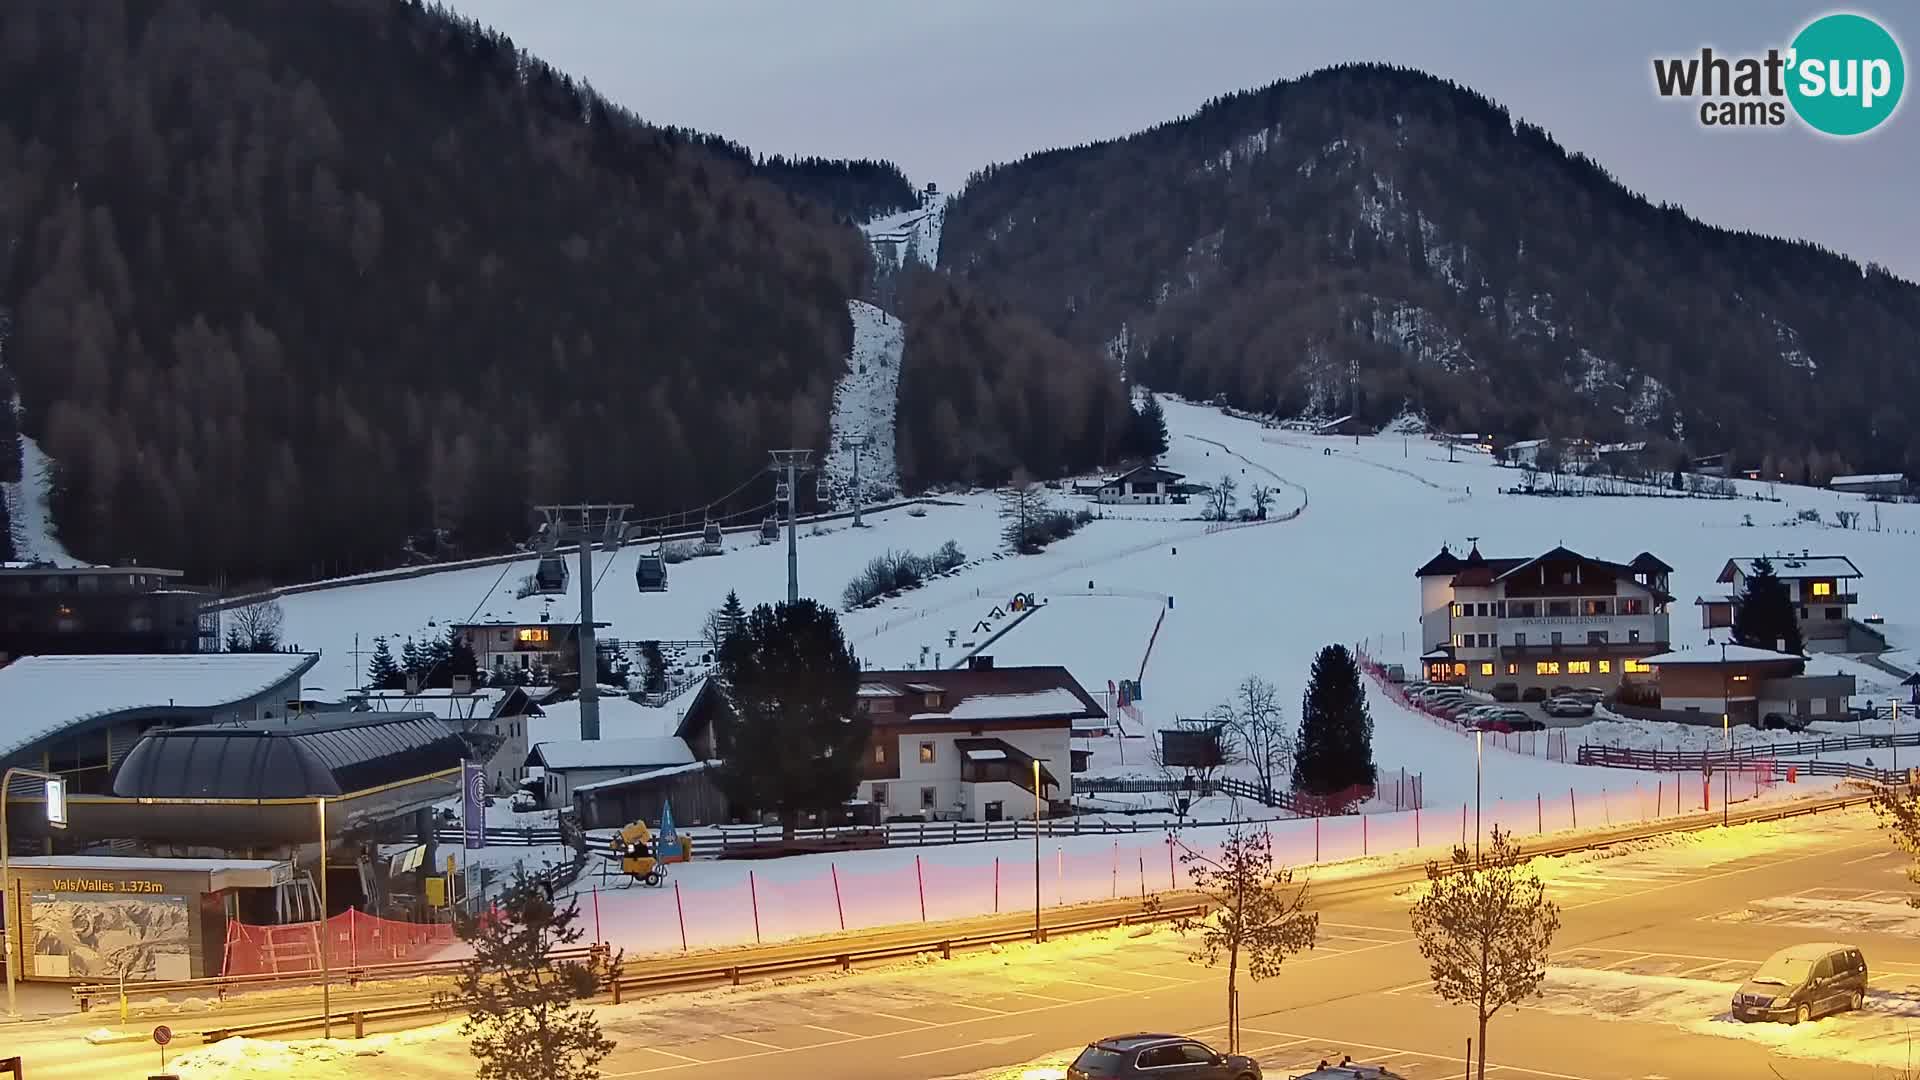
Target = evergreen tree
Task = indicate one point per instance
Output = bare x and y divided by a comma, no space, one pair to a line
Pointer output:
1147,436
1765,614
732,614
411,662
460,657
522,1019
791,740
654,679
436,662
1334,749
382,672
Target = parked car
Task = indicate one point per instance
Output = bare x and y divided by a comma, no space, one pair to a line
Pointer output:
1519,721
1351,1071
1567,706
1534,693
1481,712
1140,1057
1506,691
1774,721
1803,982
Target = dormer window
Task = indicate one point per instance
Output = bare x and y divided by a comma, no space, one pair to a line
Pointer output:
934,699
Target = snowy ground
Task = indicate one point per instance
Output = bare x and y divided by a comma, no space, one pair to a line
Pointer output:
33,533
863,403
910,235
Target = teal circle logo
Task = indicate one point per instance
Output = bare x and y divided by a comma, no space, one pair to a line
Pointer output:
1847,74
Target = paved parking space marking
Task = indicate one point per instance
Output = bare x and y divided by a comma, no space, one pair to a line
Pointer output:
1869,858
1624,960
1400,1051
757,1043
904,1020
837,1031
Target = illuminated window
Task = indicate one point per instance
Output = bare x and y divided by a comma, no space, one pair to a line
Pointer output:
1740,678
1513,669
1823,588
879,753
1579,667
1606,666
1459,611
1459,669
534,635
1456,641
926,753
1486,669
1635,667
1546,667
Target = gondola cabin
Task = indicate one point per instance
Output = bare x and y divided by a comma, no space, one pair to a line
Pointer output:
650,573
551,576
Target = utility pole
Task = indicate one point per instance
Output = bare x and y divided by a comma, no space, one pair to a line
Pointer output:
855,444
791,463
587,524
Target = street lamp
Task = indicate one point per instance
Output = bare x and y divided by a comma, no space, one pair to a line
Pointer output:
1036,850
326,934
1726,728
57,818
1479,737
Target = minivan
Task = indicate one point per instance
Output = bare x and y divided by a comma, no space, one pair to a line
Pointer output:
1802,982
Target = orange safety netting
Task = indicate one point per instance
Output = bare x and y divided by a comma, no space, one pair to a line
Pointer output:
352,939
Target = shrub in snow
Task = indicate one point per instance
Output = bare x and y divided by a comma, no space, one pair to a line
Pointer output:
896,571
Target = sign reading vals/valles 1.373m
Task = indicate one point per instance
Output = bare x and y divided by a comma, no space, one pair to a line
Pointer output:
102,885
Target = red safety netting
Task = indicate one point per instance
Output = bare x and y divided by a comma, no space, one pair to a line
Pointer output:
352,939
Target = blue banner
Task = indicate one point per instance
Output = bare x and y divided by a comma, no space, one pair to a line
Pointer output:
473,815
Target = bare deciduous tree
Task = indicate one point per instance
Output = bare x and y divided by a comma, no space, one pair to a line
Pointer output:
1899,813
1257,724
1221,499
1262,497
1259,917
1022,503
1484,929
255,627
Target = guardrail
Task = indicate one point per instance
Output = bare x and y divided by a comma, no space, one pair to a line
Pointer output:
1691,761
616,985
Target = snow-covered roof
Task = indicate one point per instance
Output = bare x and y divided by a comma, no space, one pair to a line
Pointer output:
1526,444
1797,566
1712,654
876,690
650,774
986,755
610,753
1621,448
1868,478
1042,703
45,695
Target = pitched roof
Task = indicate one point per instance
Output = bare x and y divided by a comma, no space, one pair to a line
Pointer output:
1713,655
1868,478
1792,567
45,695
1647,562
1444,563
611,753
1149,471
1000,693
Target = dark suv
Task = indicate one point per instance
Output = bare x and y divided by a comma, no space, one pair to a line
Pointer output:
1166,1057
1800,983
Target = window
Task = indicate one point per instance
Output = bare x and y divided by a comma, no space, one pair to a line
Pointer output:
880,795
1579,667
1606,667
926,753
880,705
1635,667
933,700
1596,637
1519,641
1456,641
1459,611
1546,667
1195,1054
1513,669
1486,669
1740,678
1560,608
504,637
535,635
1556,638
929,798
1833,613
1486,610
1820,588
1459,669
1633,636
1597,607
1632,605
879,753
1523,609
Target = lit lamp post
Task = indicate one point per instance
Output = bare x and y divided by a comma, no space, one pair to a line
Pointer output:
1726,728
1036,850
57,818
326,933
1478,738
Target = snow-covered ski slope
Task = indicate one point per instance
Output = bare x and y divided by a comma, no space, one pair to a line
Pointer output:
864,401
1247,600
33,533
910,235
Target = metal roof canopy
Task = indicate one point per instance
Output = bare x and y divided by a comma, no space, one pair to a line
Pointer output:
311,756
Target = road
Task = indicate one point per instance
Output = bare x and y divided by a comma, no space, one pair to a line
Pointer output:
1654,937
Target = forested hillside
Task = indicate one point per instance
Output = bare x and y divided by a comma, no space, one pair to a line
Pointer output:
985,391
1468,267
295,279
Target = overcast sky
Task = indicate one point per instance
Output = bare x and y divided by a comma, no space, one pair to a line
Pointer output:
943,88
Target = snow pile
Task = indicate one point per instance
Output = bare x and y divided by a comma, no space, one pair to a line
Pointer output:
863,403
32,521
263,1059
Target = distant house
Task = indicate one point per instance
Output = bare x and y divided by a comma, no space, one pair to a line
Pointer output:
1145,484
1628,458
492,720
502,646
963,744
1524,454
1570,455
1893,484
1748,684
1822,590
75,610
574,763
